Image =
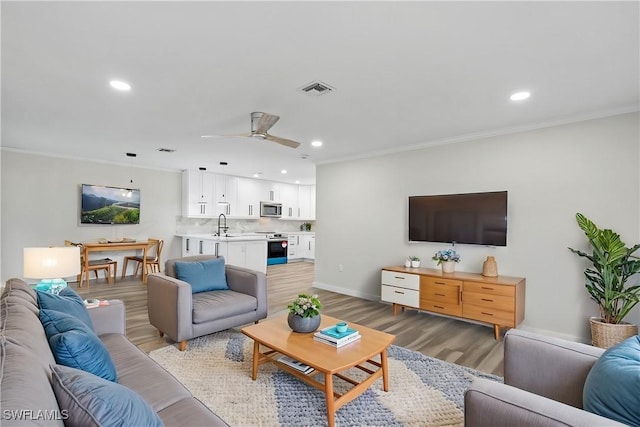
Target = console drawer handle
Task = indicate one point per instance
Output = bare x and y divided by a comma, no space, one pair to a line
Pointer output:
487,314
398,292
487,288
398,277
440,295
437,306
486,299
439,283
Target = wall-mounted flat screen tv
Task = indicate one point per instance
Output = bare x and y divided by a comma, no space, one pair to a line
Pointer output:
109,205
473,218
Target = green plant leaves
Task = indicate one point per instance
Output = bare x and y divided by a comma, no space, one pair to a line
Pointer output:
613,264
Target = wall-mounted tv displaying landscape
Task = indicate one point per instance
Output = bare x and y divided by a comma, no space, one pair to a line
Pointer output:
474,218
109,205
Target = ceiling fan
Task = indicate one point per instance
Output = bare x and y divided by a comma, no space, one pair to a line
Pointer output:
261,123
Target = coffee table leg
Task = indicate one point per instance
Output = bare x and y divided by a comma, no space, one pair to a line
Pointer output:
328,390
385,370
256,357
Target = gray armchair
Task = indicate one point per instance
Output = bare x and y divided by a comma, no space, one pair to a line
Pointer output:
175,311
543,382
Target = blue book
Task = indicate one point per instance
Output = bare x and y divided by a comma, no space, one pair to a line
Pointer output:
332,332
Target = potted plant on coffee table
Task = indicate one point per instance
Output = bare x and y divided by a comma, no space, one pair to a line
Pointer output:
613,264
304,313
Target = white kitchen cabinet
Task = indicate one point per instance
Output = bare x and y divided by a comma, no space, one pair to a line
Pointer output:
194,246
309,246
270,192
247,254
248,198
307,202
293,247
198,194
226,195
289,200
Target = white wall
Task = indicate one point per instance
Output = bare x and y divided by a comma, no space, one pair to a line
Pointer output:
41,204
551,173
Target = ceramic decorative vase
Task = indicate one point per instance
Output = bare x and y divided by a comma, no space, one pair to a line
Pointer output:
303,324
489,267
448,266
407,263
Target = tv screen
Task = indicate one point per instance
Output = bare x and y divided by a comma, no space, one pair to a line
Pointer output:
109,205
473,218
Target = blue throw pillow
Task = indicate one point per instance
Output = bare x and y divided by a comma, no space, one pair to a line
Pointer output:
612,388
74,344
91,401
67,301
203,276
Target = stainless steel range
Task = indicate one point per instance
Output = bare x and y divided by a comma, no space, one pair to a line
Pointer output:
276,247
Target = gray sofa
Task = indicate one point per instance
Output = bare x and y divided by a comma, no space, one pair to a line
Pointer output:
26,394
543,382
175,311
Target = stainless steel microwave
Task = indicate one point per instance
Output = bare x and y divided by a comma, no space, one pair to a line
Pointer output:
271,209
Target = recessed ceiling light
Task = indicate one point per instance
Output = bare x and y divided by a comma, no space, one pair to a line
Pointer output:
283,171
297,181
120,85
316,143
520,96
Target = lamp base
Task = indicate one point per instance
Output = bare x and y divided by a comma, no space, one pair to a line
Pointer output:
52,286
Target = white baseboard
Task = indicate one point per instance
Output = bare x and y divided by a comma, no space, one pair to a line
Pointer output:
345,291
556,334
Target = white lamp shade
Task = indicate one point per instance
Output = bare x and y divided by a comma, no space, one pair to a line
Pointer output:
51,263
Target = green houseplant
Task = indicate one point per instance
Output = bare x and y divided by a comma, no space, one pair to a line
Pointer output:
304,313
613,264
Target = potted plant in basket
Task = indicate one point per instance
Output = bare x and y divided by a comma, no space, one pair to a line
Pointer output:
447,258
606,281
304,313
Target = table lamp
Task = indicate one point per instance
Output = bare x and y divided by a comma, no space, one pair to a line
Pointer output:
50,265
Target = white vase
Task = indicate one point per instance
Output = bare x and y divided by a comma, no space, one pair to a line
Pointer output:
407,263
448,266
415,264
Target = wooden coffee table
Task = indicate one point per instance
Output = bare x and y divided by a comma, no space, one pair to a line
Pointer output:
278,339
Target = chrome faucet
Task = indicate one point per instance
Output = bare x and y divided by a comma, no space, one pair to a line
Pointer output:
224,227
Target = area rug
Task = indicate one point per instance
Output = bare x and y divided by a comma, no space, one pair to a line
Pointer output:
216,368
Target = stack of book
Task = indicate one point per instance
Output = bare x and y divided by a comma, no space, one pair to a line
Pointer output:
336,339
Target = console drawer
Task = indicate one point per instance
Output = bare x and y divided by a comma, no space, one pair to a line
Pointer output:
441,307
402,296
449,294
438,281
489,288
495,302
401,280
483,314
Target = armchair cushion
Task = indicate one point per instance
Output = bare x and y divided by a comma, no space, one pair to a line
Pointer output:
612,386
208,306
203,276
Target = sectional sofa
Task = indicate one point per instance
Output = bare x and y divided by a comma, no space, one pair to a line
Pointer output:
27,396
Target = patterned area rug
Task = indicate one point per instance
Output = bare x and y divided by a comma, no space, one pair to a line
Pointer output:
423,391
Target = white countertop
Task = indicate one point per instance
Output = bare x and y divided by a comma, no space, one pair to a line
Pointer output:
230,237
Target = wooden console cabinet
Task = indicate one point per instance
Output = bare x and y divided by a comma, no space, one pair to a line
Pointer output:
495,300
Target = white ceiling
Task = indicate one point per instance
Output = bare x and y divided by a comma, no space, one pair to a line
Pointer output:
406,74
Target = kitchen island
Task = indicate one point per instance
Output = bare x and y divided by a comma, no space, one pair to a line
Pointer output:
248,250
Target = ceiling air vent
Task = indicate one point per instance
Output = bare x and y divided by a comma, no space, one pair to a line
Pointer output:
166,150
316,88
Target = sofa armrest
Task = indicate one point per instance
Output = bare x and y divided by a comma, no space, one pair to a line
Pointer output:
109,319
489,403
548,366
169,306
250,282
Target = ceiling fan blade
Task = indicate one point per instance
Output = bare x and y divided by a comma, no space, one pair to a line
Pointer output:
266,121
283,141
241,135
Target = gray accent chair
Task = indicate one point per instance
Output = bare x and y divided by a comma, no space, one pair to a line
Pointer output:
175,311
543,381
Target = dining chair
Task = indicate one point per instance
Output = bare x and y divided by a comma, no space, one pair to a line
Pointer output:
153,258
94,265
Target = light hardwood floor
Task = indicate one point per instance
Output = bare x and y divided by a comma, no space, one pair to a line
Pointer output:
455,341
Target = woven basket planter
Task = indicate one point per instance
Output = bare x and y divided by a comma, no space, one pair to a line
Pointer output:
604,335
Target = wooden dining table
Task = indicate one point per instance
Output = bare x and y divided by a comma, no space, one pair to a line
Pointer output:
120,246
